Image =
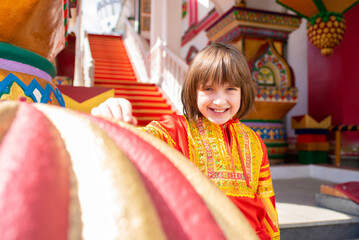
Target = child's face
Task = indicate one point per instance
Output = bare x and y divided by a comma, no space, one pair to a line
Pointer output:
218,103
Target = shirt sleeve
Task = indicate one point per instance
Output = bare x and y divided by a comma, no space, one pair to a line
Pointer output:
157,130
266,195
172,130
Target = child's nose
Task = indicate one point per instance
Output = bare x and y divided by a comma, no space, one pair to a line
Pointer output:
220,99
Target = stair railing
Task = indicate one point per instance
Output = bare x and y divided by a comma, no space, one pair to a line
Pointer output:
88,63
338,137
139,56
174,70
160,66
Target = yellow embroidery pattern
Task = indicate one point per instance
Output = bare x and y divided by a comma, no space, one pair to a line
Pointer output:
197,154
208,151
158,131
265,188
264,174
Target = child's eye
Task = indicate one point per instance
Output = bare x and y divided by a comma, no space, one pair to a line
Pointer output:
207,89
232,88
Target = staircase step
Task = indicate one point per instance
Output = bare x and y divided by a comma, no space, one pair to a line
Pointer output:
122,68
115,56
150,112
113,69
114,77
109,42
143,99
109,50
113,62
151,106
118,75
124,94
149,116
128,87
129,83
106,44
138,92
115,47
116,72
116,60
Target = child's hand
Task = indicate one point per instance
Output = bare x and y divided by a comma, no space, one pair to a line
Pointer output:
117,108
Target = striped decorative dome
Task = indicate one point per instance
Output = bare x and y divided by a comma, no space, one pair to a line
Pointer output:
66,175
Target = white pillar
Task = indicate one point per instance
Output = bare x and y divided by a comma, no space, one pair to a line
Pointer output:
79,31
297,58
157,19
173,26
166,23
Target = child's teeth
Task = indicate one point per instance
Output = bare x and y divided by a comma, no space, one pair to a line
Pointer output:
218,110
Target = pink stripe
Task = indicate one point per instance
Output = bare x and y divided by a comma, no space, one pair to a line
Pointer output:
34,170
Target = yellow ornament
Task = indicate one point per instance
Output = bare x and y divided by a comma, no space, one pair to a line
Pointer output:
328,33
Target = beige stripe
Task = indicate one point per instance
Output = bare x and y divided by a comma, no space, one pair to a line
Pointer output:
8,112
75,227
232,222
114,203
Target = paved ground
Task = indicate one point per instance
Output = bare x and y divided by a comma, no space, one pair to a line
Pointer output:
297,208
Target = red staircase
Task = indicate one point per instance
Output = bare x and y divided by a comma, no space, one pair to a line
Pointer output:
113,69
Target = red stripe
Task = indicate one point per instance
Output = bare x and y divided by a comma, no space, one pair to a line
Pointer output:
271,223
307,138
264,169
264,178
182,211
272,199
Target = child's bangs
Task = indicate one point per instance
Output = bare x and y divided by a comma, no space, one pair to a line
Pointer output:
220,72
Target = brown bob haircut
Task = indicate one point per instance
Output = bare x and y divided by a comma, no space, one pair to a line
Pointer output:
218,63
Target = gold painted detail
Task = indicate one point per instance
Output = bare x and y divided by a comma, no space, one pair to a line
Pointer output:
221,24
306,121
267,18
261,19
15,85
271,69
274,94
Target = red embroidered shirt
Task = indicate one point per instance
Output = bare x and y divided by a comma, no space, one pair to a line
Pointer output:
234,157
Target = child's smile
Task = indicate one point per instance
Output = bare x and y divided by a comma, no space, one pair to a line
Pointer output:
219,103
219,110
